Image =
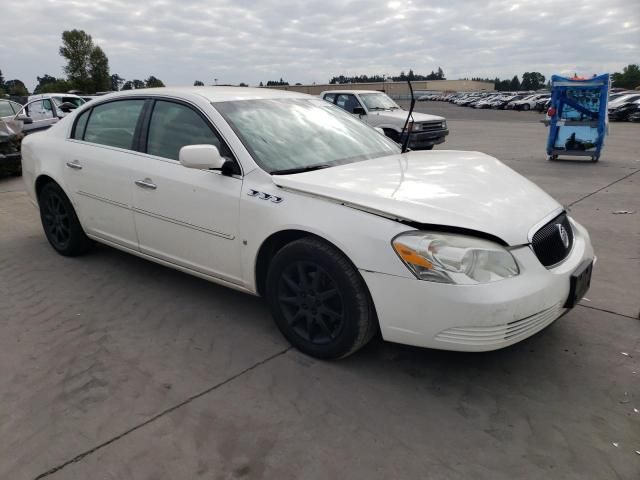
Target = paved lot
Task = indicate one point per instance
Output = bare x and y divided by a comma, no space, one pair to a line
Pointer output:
112,367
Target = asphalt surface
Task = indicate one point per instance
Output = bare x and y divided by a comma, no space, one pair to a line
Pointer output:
112,367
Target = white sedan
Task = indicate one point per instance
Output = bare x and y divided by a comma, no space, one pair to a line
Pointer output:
286,196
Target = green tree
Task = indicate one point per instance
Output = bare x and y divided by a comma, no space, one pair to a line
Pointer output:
59,86
76,48
514,85
138,84
261,84
116,82
153,82
87,65
99,70
128,85
629,78
50,84
532,81
2,90
198,83
16,87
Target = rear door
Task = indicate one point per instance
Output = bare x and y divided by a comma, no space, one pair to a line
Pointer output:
98,169
185,216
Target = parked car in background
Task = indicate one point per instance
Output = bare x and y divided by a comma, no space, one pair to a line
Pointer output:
624,110
10,139
59,98
378,110
280,194
530,102
622,99
9,109
42,111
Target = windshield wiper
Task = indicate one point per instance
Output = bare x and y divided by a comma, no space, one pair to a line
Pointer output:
300,169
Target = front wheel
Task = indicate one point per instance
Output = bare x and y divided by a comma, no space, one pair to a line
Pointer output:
319,300
526,107
60,222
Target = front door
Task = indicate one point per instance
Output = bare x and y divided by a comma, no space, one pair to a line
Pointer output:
41,114
98,174
185,216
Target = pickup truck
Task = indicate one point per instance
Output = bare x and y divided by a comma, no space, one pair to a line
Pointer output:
379,111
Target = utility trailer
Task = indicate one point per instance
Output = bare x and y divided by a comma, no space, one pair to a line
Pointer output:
578,119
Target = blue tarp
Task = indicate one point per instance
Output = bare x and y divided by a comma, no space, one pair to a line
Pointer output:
579,124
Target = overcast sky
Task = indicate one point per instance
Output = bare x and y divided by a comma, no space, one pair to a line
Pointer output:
180,41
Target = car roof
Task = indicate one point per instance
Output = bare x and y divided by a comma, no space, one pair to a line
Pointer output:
49,95
212,94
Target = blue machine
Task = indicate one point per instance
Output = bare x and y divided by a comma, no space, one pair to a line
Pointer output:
580,123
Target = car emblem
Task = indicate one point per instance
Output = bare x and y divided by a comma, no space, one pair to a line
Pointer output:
564,236
264,196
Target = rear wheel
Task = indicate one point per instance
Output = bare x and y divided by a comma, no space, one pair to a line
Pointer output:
319,300
60,222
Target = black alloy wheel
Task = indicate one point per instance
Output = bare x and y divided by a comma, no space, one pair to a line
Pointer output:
319,300
60,222
311,302
55,219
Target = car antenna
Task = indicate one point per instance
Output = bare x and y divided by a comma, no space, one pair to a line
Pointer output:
405,143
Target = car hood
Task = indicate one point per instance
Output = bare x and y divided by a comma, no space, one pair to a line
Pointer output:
460,189
401,115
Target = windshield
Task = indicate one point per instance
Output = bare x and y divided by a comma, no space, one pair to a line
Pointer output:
284,134
75,100
378,101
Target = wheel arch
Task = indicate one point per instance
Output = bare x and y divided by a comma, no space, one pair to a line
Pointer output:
42,180
275,242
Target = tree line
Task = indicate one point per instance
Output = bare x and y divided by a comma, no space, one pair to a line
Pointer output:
403,77
86,69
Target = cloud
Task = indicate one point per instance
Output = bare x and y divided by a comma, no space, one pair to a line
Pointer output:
180,41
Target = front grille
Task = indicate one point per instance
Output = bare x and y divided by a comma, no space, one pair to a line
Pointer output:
431,126
553,242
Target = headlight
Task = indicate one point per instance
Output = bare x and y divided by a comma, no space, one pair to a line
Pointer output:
444,124
450,258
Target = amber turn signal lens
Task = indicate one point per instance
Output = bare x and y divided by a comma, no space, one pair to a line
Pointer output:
412,257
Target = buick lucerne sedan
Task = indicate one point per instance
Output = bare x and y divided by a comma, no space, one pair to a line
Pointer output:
286,196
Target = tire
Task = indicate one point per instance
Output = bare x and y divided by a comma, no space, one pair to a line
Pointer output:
430,147
526,107
60,222
318,300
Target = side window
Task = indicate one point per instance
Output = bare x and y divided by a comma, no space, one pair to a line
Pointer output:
174,126
37,111
347,102
114,123
46,104
330,97
16,107
81,123
5,109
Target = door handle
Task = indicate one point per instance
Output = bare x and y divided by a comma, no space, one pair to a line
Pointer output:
75,165
146,183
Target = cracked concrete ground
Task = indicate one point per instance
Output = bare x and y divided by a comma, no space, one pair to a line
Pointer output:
112,367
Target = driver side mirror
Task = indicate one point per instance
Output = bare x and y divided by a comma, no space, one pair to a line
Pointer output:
66,107
202,157
359,111
24,119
